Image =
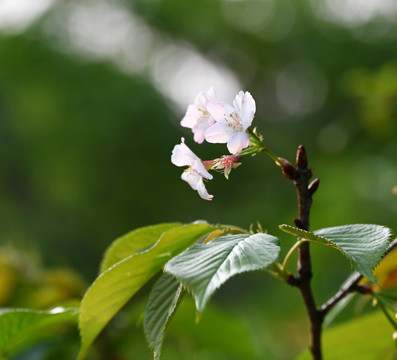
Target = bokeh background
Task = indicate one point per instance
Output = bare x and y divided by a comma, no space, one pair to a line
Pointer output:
91,96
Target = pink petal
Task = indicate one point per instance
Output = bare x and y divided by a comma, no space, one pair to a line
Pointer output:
218,133
191,117
220,111
239,142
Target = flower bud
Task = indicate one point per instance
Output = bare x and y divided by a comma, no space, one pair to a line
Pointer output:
288,170
301,157
313,186
299,224
365,289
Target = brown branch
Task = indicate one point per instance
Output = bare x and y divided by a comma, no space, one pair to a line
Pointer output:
351,285
302,280
304,270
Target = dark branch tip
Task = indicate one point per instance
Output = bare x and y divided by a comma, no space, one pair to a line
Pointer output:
301,157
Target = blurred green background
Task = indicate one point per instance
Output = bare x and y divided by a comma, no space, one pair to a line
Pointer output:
91,96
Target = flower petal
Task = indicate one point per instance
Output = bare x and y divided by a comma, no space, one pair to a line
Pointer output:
220,111
200,169
191,117
203,191
196,182
238,142
191,177
182,155
218,133
203,98
199,130
245,107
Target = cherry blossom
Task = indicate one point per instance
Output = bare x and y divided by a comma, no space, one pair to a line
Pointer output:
196,171
197,116
232,122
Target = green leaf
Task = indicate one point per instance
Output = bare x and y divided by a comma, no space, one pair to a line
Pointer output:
164,299
204,268
22,327
138,240
307,235
367,337
363,244
114,287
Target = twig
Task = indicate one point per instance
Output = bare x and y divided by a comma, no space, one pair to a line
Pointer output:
302,280
351,285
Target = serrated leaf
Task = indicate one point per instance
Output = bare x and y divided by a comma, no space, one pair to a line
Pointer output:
363,244
308,235
204,268
164,299
22,327
135,241
115,286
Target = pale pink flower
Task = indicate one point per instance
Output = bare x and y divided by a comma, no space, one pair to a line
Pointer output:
232,122
197,116
196,171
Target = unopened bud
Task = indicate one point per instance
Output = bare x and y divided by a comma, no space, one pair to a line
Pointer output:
288,170
395,337
365,289
313,186
301,157
299,224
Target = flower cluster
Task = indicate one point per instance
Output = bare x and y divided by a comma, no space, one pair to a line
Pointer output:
214,122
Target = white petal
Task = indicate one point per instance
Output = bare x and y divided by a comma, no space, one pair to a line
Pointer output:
203,191
196,182
200,169
200,128
182,155
245,107
239,142
198,132
220,111
191,177
218,133
191,117
201,101
204,98
211,95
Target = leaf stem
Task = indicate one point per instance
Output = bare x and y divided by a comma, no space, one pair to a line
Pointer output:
291,252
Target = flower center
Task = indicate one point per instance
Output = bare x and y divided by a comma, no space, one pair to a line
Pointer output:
233,121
